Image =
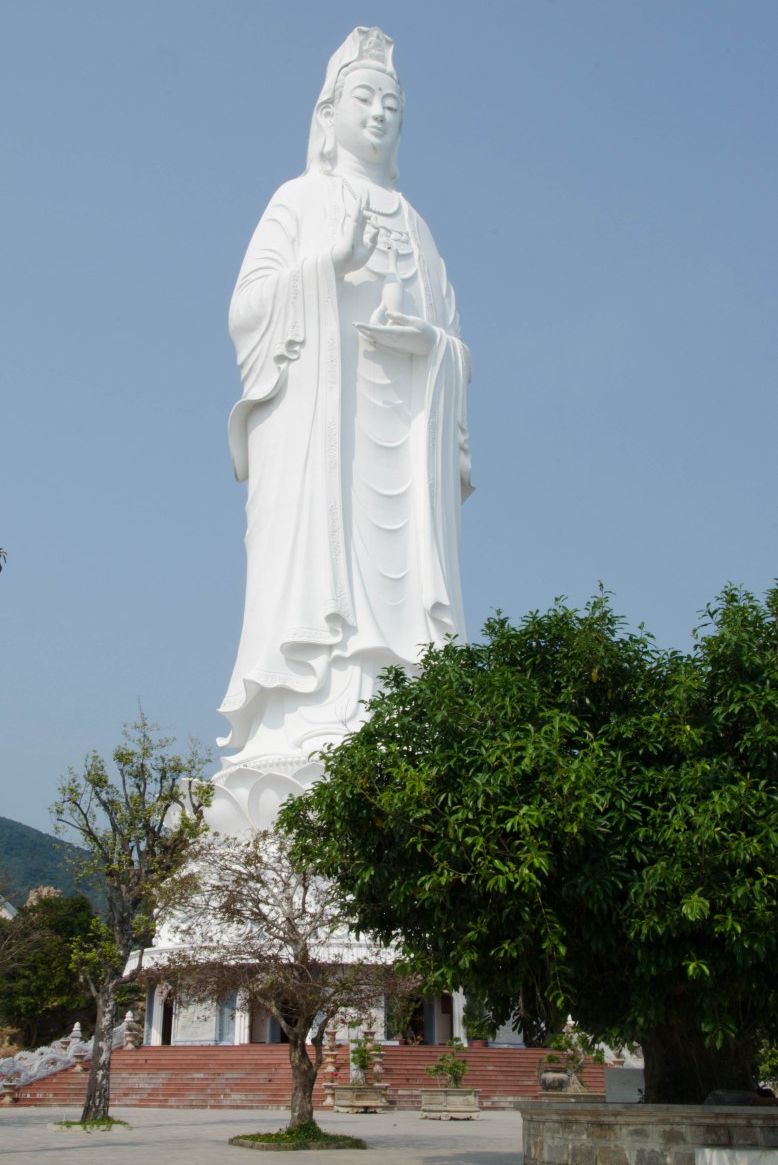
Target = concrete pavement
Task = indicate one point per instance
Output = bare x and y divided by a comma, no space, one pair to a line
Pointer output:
199,1137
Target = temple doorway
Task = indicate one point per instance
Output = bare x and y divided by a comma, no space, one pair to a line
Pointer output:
167,1021
264,1029
444,1018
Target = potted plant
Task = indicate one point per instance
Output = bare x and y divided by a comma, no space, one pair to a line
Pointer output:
362,1094
554,1074
451,1101
361,1060
561,1068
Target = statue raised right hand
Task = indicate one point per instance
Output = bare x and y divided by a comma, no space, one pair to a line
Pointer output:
357,241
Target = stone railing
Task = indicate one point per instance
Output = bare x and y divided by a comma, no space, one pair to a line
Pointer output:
67,1052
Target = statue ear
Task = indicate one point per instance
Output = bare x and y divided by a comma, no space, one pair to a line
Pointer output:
325,114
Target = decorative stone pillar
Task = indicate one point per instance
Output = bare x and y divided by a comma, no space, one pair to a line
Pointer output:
132,1034
368,1039
330,1067
377,1052
9,1092
242,1020
458,1016
158,1004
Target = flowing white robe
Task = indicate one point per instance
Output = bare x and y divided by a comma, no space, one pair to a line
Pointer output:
327,606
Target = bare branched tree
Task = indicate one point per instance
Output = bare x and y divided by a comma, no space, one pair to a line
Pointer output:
259,925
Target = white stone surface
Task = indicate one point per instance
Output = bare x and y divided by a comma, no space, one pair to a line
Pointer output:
352,437
736,1157
506,1037
154,1012
624,1085
194,1023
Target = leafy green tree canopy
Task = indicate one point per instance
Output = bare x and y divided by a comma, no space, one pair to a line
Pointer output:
40,997
137,829
565,819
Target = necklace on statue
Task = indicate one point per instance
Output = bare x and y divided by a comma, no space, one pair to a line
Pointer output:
375,196
391,238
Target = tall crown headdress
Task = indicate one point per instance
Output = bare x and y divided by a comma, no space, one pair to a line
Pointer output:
375,46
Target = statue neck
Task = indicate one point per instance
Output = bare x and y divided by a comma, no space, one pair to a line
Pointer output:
348,165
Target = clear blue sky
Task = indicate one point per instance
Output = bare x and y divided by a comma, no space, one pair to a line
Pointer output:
601,179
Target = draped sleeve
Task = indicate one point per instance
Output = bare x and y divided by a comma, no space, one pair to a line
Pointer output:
267,316
457,354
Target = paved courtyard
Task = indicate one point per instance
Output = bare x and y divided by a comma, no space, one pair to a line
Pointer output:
199,1137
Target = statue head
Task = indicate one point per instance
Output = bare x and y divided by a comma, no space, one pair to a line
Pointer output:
360,70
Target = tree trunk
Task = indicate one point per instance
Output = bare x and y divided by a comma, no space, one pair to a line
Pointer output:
680,1069
98,1090
303,1079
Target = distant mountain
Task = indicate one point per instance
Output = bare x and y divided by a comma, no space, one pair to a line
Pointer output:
30,858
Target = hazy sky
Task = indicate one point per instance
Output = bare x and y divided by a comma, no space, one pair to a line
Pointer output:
601,180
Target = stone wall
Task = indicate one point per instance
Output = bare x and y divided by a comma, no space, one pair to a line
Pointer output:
561,1133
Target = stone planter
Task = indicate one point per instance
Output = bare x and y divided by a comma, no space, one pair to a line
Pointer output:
640,1134
360,1097
450,1104
553,1077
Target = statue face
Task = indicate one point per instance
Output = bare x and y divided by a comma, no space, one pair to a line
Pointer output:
367,115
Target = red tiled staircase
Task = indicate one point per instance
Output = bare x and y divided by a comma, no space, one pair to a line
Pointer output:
259,1076
504,1075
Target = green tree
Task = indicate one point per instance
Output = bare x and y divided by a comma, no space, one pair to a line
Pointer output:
564,819
137,830
40,997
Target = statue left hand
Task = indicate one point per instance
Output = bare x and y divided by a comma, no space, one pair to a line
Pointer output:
403,333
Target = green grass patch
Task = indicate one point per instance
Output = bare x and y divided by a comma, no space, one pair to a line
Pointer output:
101,1124
305,1136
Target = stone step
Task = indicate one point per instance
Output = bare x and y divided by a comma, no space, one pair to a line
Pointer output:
259,1076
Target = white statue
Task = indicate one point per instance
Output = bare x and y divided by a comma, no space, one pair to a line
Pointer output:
352,436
